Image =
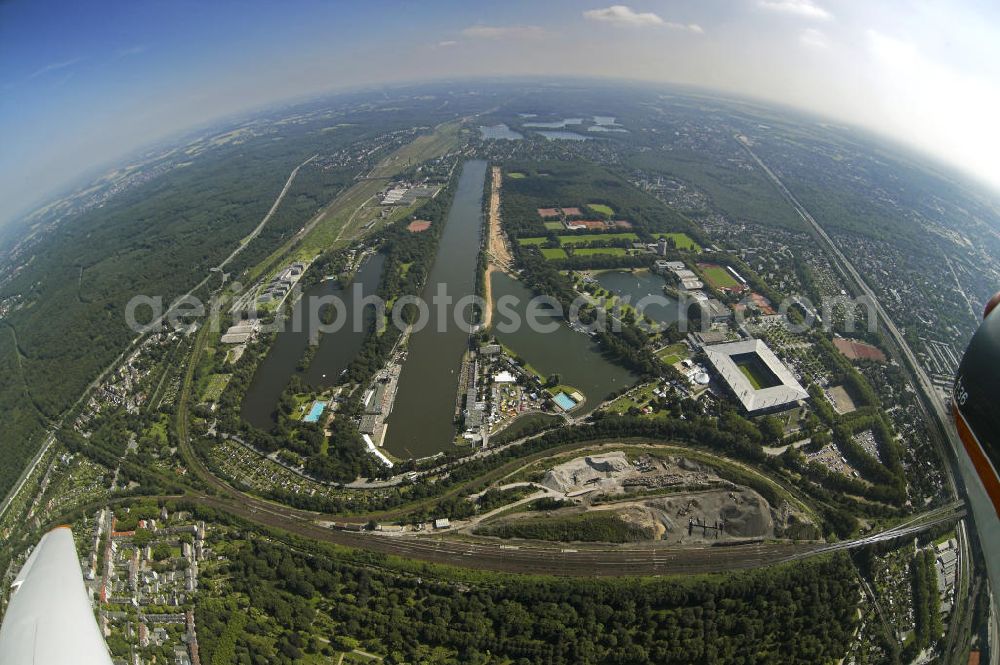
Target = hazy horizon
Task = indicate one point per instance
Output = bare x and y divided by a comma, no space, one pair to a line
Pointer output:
82,88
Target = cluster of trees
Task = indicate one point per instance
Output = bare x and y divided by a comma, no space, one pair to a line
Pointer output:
574,183
843,372
112,430
150,239
888,471
718,171
343,456
602,261
627,346
801,613
458,507
602,526
926,604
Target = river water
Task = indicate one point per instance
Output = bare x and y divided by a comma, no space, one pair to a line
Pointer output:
573,355
422,418
336,349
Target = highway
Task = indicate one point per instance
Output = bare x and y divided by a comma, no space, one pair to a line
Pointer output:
924,383
941,430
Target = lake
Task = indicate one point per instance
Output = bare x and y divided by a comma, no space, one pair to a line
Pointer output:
565,136
336,349
500,132
575,356
558,124
422,419
638,285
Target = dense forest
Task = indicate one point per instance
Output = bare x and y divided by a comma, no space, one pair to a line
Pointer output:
790,614
150,239
926,604
575,184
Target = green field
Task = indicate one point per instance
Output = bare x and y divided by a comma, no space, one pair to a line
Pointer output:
585,238
673,353
751,377
531,242
717,276
516,175
554,253
593,251
216,384
341,219
528,423
681,240
553,226
601,209
758,374
637,397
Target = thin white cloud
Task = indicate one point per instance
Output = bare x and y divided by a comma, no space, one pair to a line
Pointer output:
621,15
52,67
689,27
480,31
446,43
804,8
814,38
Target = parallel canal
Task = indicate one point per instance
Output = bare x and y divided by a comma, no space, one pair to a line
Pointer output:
422,418
336,349
574,356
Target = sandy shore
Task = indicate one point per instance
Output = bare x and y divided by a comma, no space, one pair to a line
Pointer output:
498,255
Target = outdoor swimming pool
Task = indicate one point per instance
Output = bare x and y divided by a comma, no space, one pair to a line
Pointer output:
564,401
315,412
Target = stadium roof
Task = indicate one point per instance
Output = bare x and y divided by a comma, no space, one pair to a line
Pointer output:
786,392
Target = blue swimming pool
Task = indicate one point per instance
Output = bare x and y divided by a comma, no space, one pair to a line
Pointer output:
564,401
315,412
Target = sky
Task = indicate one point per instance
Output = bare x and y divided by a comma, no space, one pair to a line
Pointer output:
82,84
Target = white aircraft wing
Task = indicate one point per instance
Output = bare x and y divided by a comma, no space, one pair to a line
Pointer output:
49,620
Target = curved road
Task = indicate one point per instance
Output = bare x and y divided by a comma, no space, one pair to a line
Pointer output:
541,558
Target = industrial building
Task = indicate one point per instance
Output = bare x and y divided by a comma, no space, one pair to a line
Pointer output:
714,311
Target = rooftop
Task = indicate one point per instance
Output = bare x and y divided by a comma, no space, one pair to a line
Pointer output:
780,387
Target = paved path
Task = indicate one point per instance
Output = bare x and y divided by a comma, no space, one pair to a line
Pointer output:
270,213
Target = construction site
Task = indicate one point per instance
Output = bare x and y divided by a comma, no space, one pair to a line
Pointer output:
672,500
